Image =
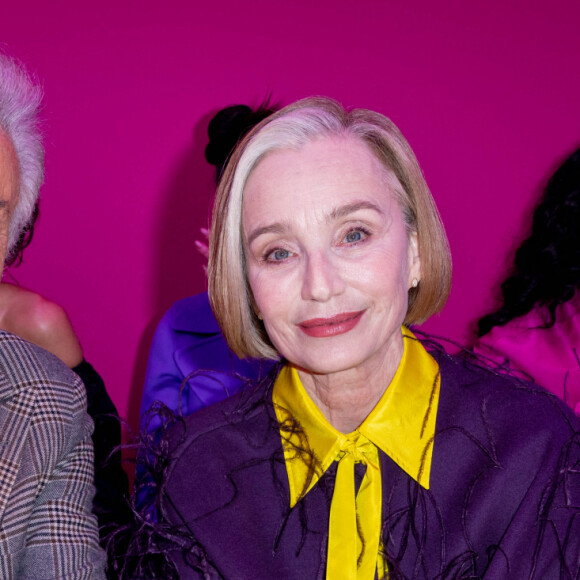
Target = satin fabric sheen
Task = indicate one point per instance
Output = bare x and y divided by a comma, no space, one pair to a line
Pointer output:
190,365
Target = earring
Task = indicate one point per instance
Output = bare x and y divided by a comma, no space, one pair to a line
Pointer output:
415,283
259,315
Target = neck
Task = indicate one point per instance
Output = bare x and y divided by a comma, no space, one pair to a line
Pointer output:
347,397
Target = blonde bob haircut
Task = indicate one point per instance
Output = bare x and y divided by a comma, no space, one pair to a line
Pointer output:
292,128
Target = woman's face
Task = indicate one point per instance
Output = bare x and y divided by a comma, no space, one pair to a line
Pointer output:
329,259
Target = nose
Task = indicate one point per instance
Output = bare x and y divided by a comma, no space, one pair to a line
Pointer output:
321,278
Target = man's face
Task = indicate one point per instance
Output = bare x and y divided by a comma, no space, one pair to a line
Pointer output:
9,185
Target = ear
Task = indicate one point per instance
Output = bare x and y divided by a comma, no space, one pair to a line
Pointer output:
414,259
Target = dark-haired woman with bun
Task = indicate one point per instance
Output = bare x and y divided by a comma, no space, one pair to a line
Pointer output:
537,327
190,365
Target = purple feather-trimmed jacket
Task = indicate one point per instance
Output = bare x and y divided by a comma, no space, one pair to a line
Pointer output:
504,497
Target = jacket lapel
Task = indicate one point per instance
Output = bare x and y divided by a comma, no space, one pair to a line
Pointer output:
16,406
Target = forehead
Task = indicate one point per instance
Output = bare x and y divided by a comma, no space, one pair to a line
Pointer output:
324,150
8,169
341,166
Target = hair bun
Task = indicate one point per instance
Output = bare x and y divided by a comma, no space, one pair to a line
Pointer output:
227,128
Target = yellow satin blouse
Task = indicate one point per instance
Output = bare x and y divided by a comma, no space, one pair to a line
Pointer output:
401,425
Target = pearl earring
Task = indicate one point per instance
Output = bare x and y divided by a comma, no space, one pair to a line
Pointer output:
415,283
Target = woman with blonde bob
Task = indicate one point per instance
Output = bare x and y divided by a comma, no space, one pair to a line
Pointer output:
367,453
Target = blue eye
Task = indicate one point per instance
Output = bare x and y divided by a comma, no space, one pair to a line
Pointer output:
279,255
354,236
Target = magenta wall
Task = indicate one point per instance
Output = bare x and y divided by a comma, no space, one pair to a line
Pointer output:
487,93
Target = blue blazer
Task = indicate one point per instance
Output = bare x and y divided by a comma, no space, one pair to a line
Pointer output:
190,360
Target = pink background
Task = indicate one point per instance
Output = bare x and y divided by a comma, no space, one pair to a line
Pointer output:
486,92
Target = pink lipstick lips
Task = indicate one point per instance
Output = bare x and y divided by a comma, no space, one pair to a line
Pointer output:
323,327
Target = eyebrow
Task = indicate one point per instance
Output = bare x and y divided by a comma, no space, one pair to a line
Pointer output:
277,228
337,213
346,210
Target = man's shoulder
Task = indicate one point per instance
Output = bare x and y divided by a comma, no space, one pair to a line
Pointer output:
26,365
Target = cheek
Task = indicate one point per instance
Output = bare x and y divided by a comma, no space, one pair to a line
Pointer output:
385,281
385,267
268,291
274,306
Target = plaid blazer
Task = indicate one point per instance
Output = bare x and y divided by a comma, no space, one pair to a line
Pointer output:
46,468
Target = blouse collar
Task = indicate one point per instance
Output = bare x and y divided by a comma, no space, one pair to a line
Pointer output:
402,424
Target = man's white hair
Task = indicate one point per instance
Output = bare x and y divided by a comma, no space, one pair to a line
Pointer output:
20,100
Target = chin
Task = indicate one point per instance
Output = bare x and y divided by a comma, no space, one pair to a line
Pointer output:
331,361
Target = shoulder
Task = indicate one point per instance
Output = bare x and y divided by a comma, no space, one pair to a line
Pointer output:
245,413
233,429
507,451
512,337
209,446
191,314
42,322
488,400
25,365
42,399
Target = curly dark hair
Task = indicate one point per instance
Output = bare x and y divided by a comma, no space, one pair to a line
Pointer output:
16,254
227,128
546,269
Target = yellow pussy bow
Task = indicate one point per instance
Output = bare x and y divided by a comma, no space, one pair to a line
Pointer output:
401,425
